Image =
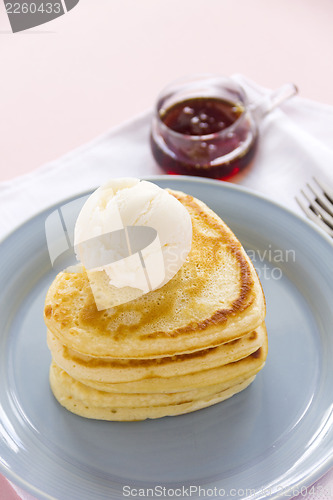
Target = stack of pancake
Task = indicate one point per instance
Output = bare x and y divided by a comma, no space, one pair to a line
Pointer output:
196,341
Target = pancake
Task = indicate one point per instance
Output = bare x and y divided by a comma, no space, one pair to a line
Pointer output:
80,391
243,368
128,370
215,297
90,403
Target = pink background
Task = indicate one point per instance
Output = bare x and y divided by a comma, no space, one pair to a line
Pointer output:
66,82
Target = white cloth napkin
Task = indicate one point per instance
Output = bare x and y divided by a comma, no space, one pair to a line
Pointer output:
296,143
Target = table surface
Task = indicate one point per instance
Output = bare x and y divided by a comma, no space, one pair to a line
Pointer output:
70,80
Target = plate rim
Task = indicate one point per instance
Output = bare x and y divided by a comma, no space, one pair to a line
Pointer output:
196,180
310,477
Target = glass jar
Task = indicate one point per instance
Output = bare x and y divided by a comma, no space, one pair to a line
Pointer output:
205,126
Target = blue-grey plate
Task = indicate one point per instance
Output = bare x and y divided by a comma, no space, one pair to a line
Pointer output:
267,442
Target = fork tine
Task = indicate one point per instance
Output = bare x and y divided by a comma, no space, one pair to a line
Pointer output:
326,190
322,200
320,209
311,215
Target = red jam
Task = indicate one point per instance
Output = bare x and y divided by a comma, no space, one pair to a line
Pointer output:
193,153
201,116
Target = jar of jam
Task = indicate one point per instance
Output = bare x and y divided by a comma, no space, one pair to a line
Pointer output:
205,126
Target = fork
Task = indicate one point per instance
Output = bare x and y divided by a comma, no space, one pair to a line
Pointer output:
319,205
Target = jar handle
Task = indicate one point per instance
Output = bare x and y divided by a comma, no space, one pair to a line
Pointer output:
265,105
